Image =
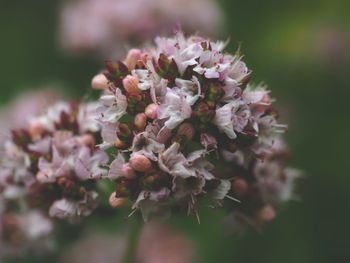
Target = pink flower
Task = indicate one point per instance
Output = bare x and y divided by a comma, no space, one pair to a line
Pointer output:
150,202
103,25
89,165
232,117
175,109
70,209
113,106
144,144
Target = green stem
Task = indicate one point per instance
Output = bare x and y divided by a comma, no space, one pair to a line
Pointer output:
134,235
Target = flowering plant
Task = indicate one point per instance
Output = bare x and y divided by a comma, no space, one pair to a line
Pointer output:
106,26
176,124
186,123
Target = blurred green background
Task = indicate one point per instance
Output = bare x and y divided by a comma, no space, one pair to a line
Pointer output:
301,49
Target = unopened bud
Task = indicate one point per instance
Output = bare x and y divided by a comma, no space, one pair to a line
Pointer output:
119,144
131,84
41,177
116,202
87,139
127,171
124,130
240,186
99,82
133,57
141,121
36,129
140,163
149,181
151,111
186,130
266,214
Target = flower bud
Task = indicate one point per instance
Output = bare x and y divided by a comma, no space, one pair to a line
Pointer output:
151,111
127,171
133,57
119,144
87,139
99,82
116,202
36,129
240,186
124,130
131,84
186,130
41,177
140,163
141,121
266,214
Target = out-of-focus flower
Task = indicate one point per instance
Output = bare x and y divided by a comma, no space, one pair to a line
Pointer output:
19,112
186,123
104,26
159,243
24,232
55,167
101,248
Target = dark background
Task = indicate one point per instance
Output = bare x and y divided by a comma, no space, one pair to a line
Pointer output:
301,49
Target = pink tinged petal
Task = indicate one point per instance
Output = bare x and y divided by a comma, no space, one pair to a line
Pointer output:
190,88
41,146
36,225
175,109
88,204
223,119
116,168
109,134
208,141
150,202
231,89
236,157
88,165
254,96
63,208
114,106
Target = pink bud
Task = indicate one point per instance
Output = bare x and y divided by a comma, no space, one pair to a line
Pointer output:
140,121
151,111
41,177
99,82
127,171
266,214
131,84
87,139
133,57
240,186
36,129
116,202
119,144
140,163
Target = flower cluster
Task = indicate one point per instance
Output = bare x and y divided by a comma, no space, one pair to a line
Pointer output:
23,108
105,26
54,162
186,124
177,125
24,232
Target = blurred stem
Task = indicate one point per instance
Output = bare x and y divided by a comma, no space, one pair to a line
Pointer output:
134,235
